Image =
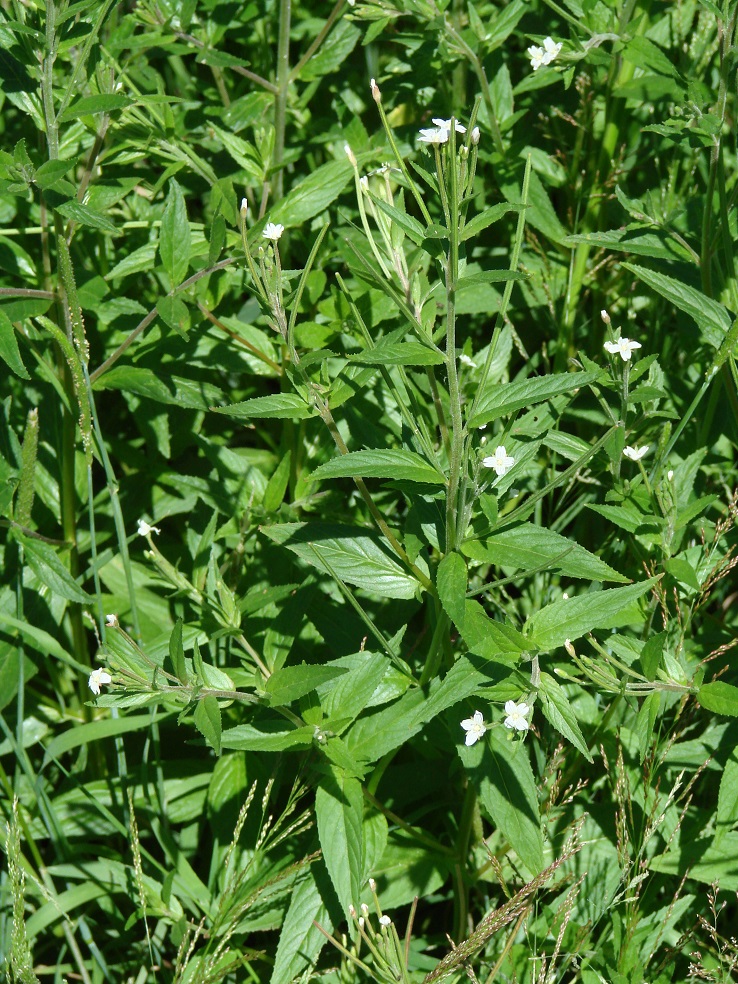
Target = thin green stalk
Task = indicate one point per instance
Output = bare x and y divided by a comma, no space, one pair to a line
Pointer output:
280,100
453,510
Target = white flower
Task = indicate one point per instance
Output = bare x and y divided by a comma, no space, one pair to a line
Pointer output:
623,347
474,727
385,921
434,135
545,55
635,454
97,679
273,231
446,125
517,715
466,361
144,529
111,621
565,596
501,461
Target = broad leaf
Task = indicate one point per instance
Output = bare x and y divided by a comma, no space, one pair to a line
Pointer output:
339,809
525,393
394,463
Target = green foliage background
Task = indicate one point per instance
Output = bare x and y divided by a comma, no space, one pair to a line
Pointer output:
328,579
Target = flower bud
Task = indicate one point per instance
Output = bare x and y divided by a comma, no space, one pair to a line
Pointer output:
244,208
111,621
569,648
475,135
376,94
670,474
385,921
605,316
350,155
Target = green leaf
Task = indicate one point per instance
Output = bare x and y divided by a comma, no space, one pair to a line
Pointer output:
651,655
174,312
271,737
572,618
351,693
208,721
9,351
333,51
313,195
299,941
484,219
409,225
557,709
501,772
727,807
140,259
712,317
95,731
451,583
410,353
719,697
393,463
277,484
53,171
655,244
717,863
84,215
51,572
176,652
104,102
489,638
339,809
645,723
354,554
525,393
283,405
530,547
292,682
174,235
373,736
175,390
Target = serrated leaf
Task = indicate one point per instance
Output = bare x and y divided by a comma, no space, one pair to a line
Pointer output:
354,554
104,102
339,809
208,721
392,463
410,353
502,775
313,195
174,390
486,218
51,572
281,405
525,393
727,807
292,682
719,697
572,618
557,709
271,736
530,547
84,215
451,583
174,235
299,940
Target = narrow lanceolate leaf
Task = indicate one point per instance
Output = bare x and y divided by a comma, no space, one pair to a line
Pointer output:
712,317
451,583
353,554
339,808
174,236
284,405
313,195
529,547
208,721
409,353
559,712
300,941
176,652
510,397
572,618
395,463
27,487
51,572
501,772
9,351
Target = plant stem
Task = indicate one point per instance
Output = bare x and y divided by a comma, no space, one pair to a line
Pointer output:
453,510
280,100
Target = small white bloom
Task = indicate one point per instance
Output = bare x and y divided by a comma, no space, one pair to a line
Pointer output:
97,679
385,921
552,49
635,454
466,361
244,208
475,135
517,715
474,727
434,135
670,474
351,3
501,461
144,529
446,125
536,56
565,595
624,347
273,231
544,55
111,621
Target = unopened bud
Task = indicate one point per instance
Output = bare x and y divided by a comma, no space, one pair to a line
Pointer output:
670,474
365,909
475,135
111,621
361,922
372,884
350,155
569,648
605,316
244,208
376,94
352,911
565,596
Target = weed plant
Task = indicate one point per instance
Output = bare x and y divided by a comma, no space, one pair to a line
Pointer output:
369,491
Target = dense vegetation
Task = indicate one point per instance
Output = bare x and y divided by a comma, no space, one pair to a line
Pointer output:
368,491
